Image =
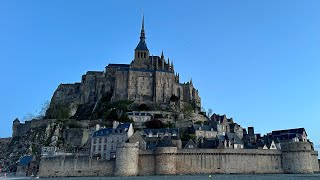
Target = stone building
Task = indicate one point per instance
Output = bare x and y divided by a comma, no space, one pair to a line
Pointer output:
203,131
104,141
147,78
286,135
225,125
151,138
231,141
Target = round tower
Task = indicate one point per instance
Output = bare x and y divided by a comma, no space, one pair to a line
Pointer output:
166,160
296,157
127,159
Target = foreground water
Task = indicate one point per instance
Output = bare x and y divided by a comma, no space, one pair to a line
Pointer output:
186,177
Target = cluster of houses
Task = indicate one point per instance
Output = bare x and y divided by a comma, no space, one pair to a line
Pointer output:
218,132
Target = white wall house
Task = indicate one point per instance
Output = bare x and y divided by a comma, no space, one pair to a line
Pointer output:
139,118
105,140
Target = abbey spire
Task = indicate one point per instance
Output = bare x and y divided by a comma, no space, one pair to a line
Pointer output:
142,51
142,33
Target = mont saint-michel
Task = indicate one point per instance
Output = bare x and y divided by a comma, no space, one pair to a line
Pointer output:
138,119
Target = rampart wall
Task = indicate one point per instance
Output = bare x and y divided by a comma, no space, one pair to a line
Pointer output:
23,128
200,161
130,161
63,166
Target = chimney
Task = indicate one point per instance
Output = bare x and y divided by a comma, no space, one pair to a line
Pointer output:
251,131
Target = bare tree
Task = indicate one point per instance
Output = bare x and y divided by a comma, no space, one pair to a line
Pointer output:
43,110
209,113
40,115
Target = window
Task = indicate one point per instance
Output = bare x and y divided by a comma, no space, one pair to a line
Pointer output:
94,148
99,148
94,141
105,140
100,140
105,147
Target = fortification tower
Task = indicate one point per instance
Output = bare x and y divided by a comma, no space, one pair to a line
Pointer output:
296,157
127,159
15,125
166,160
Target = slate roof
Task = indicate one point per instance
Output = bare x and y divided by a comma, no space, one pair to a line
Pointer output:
190,142
142,46
209,143
124,126
107,131
102,132
136,137
119,65
234,137
221,137
165,142
289,131
25,161
94,73
287,136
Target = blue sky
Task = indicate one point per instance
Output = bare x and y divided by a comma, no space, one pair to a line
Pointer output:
256,61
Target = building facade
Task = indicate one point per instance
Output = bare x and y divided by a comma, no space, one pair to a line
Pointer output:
104,141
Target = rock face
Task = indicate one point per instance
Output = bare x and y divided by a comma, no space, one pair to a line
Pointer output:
4,143
146,79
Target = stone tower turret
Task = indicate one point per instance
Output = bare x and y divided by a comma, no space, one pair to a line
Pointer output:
15,125
162,60
127,157
296,157
172,67
142,52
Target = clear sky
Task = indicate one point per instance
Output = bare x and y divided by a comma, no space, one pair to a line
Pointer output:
256,61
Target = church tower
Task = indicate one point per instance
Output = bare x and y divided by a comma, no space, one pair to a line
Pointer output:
141,52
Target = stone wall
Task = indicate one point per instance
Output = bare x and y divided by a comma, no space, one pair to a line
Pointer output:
147,157
62,166
196,161
315,161
23,128
168,160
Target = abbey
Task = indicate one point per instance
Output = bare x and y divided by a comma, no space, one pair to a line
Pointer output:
147,78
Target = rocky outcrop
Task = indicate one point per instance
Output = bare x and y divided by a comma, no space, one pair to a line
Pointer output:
79,99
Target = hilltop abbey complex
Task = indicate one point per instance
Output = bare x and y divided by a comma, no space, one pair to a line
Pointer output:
138,119
147,78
